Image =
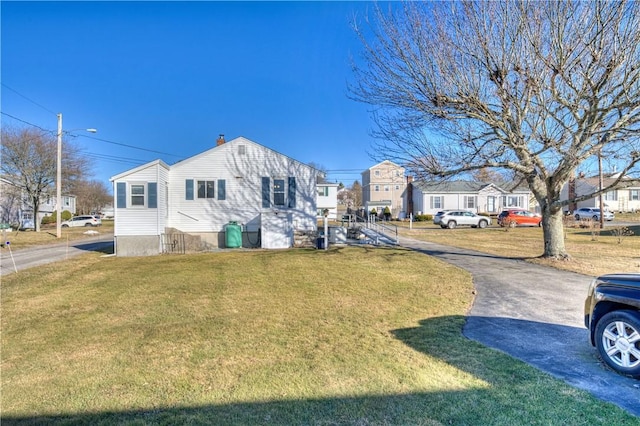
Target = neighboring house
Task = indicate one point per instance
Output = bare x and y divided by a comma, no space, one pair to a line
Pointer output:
620,200
384,185
479,197
271,197
327,199
16,209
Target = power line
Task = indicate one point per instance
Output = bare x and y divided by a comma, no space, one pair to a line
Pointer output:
129,146
26,122
91,137
30,100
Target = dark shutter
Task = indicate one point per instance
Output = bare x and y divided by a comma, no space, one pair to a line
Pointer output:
222,194
152,202
121,196
266,198
188,190
292,192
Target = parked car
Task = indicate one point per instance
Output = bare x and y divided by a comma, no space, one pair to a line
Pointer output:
515,217
592,213
86,220
452,218
612,315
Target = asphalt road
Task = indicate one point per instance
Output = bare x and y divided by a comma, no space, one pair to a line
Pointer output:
535,313
12,261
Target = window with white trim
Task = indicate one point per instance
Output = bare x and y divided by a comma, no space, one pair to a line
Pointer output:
376,188
278,192
137,194
206,188
634,194
436,202
470,201
611,196
323,191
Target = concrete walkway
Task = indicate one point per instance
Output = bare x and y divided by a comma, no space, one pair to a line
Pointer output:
535,313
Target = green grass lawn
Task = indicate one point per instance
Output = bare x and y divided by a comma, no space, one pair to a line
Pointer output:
353,335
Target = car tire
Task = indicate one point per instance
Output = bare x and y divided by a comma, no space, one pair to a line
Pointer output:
617,338
87,224
595,217
65,226
451,224
577,217
512,224
482,224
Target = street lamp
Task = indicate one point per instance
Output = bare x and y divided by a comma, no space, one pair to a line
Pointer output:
59,177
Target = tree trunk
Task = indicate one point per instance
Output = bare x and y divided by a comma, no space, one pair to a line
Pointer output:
553,231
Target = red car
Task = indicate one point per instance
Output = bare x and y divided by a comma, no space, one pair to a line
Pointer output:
515,217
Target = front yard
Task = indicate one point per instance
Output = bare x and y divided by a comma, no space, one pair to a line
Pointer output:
351,335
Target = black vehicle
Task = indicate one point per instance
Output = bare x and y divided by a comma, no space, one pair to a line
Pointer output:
612,315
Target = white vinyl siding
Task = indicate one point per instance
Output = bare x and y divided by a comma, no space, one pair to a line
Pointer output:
243,178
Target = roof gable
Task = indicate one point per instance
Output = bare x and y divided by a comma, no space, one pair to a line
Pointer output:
139,168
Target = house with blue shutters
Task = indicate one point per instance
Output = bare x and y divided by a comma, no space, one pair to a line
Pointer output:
266,197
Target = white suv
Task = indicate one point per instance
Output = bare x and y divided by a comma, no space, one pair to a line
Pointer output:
452,218
82,221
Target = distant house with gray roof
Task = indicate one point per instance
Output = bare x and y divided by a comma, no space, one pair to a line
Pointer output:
431,196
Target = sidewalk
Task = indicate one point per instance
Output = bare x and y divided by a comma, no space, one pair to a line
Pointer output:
535,313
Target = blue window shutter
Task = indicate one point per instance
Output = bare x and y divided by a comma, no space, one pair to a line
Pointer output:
152,202
121,196
266,197
292,192
222,195
189,189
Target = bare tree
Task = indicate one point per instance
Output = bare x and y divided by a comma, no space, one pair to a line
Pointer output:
29,161
91,196
537,88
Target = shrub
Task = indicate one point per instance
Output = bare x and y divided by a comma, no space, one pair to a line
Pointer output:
423,217
621,232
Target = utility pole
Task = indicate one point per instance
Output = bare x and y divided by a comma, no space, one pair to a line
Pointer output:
601,184
59,181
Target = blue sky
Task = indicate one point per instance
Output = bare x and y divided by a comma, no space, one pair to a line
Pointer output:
170,77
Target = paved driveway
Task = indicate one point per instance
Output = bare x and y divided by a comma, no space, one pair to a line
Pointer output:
535,313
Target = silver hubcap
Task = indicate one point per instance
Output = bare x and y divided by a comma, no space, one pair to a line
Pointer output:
622,343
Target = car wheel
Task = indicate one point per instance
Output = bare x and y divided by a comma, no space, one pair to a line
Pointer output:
618,341
512,224
482,224
65,226
577,217
451,224
594,217
87,224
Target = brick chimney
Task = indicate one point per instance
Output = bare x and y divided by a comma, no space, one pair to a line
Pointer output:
409,195
220,140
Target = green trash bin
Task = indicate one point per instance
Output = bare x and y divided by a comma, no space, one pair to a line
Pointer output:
233,235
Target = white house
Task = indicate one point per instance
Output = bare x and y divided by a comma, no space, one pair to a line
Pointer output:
619,200
430,197
327,199
236,187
